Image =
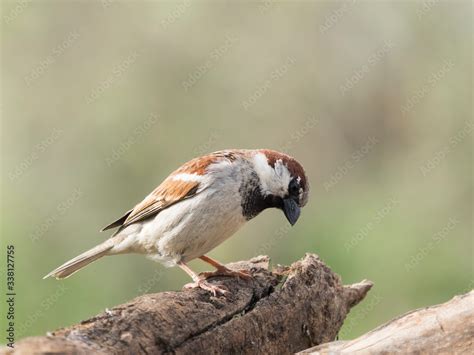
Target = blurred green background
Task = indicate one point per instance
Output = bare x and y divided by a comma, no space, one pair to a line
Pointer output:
102,99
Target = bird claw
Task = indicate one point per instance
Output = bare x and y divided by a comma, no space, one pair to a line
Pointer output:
242,274
208,287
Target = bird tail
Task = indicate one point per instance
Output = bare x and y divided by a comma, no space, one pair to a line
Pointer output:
73,265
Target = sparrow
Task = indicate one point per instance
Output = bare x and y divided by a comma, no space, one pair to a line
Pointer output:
200,205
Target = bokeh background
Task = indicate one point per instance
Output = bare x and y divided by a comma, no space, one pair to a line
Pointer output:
102,99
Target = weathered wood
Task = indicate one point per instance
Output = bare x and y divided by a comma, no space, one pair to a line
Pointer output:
287,310
442,329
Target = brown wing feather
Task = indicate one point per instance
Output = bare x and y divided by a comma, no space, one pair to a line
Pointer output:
168,193
173,190
118,222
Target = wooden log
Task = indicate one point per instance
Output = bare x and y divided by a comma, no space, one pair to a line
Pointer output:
281,311
447,328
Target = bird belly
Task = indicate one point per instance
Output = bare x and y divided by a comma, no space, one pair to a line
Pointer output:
192,227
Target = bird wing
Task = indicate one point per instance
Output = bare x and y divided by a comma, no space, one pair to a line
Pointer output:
189,180
168,193
118,222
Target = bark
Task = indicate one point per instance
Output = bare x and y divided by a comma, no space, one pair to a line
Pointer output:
281,311
442,329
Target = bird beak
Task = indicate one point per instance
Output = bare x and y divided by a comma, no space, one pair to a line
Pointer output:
291,210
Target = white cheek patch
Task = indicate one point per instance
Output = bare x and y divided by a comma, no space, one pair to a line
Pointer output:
273,181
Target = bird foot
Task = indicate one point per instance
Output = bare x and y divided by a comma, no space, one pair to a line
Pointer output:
202,283
242,274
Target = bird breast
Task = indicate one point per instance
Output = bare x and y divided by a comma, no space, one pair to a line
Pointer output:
194,226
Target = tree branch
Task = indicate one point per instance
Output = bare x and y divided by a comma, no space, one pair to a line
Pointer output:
442,329
283,311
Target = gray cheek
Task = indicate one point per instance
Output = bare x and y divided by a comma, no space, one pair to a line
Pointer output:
303,198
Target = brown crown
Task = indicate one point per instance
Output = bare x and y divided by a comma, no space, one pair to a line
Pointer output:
293,166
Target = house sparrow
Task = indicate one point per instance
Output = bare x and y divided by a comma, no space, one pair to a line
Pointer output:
199,206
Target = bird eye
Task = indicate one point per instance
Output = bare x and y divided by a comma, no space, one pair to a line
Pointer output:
294,188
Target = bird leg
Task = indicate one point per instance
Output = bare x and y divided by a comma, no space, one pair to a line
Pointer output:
200,282
222,270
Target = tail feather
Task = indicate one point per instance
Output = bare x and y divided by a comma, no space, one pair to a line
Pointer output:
73,265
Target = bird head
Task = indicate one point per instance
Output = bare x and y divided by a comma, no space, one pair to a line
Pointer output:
283,182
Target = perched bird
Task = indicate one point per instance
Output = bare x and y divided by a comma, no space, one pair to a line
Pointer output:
200,205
